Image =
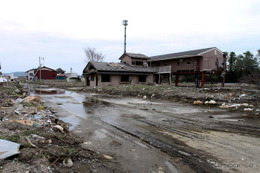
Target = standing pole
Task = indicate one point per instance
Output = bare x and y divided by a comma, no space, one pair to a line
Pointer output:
125,41
40,68
224,70
125,24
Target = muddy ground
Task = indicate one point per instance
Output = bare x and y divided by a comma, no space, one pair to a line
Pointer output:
135,129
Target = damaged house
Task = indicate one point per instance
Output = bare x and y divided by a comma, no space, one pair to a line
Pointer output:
138,68
108,73
197,62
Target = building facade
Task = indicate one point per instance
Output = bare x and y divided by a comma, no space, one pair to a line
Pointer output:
44,73
139,68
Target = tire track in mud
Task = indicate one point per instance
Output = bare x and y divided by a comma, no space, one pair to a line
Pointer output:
188,158
220,126
193,136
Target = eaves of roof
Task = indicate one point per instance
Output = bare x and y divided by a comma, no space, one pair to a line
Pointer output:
185,54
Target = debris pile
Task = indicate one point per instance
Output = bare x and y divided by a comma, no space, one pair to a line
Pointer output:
33,139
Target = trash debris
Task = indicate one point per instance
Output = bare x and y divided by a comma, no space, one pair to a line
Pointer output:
31,98
248,109
30,142
224,106
67,162
8,148
28,123
59,128
211,102
17,112
243,95
37,138
107,157
36,116
144,97
197,102
87,143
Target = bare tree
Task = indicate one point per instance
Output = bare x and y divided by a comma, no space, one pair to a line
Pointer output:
92,55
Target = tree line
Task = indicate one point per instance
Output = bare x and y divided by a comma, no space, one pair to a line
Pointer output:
243,67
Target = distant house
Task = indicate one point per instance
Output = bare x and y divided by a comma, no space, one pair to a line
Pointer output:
138,68
61,77
29,74
72,75
44,73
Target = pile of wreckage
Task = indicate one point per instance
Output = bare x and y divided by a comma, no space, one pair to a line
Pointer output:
33,139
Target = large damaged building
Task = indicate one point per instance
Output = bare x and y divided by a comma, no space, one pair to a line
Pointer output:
138,68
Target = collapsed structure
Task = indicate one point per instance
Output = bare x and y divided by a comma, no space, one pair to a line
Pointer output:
138,68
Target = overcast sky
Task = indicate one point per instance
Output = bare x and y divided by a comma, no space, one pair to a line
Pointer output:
60,30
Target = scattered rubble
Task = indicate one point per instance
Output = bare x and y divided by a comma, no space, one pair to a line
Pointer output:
233,98
34,139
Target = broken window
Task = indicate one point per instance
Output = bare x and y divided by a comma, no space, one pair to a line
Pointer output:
105,78
137,63
141,78
124,78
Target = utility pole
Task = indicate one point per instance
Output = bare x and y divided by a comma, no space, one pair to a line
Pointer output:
125,24
40,67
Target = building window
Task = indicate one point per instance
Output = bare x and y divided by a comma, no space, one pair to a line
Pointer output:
124,78
137,63
141,78
188,62
105,78
30,74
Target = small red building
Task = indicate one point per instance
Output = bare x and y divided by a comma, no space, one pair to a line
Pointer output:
45,73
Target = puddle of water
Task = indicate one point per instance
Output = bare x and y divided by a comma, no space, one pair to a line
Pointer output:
72,120
130,101
41,91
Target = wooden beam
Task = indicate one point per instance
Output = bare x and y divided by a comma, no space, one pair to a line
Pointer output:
176,79
202,79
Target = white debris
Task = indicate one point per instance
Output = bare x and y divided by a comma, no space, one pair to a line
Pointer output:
58,127
212,102
8,148
248,109
67,162
107,157
243,95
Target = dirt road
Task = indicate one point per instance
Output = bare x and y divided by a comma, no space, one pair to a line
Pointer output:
161,136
